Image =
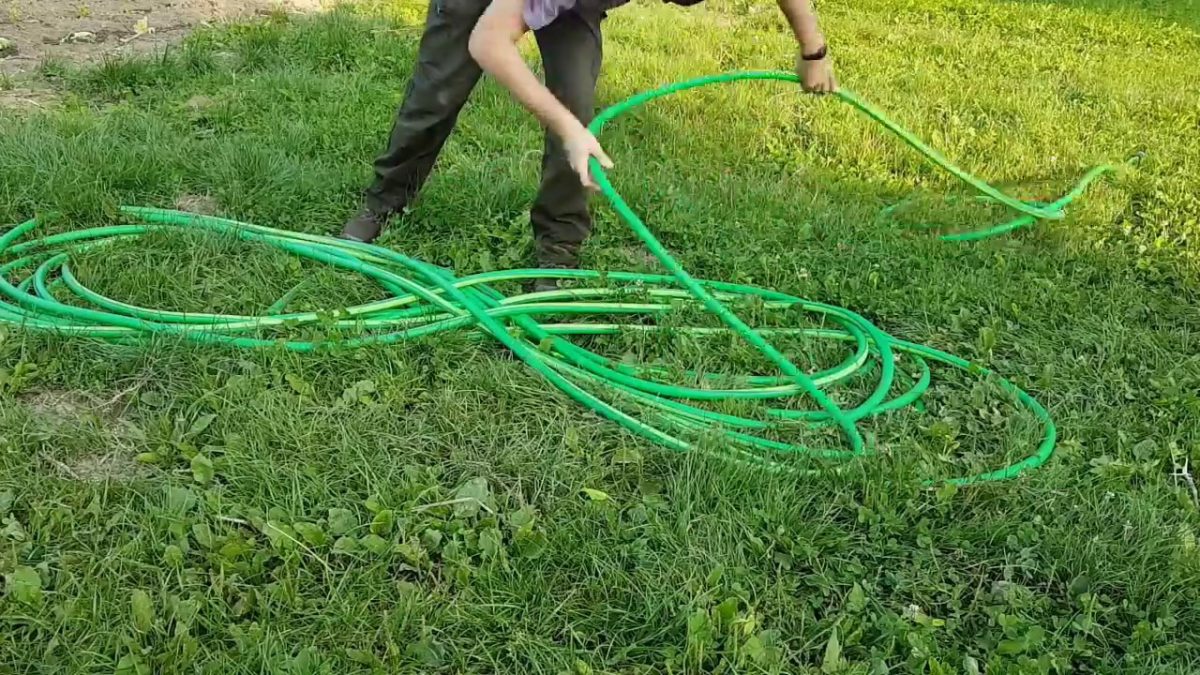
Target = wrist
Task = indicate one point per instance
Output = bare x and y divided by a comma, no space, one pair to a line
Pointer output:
567,126
811,42
814,54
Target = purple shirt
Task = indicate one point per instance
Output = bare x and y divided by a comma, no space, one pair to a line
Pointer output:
542,13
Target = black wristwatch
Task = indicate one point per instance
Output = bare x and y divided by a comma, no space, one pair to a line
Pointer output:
818,55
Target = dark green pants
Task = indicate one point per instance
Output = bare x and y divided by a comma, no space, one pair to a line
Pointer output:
442,81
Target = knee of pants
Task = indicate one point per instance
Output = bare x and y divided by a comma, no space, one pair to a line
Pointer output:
578,95
430,105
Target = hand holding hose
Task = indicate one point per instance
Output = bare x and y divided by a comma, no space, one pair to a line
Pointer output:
812,61
581,146
816,72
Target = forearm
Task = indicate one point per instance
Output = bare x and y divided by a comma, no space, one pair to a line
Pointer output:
493,45
803,20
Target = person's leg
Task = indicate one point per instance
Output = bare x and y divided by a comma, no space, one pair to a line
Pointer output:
572,50
441,82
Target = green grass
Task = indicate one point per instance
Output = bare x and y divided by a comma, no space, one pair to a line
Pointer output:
320,513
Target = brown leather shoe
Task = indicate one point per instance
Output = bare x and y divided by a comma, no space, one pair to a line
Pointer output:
557,256
554,262
364,227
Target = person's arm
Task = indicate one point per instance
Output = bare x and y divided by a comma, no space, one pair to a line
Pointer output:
817,75
493,45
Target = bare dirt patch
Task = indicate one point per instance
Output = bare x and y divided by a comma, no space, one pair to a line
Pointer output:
114,467
204,205
27,95
59,407
637,258
80,31
73,413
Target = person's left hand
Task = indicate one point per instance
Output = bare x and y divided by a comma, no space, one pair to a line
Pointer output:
581,146
816,76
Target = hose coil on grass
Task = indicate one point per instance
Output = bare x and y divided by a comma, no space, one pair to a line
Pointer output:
427,300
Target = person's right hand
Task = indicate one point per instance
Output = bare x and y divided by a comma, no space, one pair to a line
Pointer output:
580,147
816,76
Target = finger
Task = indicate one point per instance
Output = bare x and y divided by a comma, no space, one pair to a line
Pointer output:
585,176
604,160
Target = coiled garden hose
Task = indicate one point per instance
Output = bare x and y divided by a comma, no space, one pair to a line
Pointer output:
426,300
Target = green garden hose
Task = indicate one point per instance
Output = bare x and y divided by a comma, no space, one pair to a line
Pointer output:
427,300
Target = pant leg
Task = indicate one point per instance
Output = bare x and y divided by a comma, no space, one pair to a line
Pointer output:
572,50
442,81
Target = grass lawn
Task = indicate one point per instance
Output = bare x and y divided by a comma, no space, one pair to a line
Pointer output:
435,507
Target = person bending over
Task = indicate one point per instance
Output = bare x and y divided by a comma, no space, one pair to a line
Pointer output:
463,39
